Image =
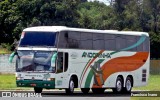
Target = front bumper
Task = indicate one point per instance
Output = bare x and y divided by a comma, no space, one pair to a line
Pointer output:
36,83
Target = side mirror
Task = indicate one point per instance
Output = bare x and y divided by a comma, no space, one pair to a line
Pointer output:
53,59
12,56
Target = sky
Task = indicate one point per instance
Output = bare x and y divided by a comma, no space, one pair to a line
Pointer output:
105,1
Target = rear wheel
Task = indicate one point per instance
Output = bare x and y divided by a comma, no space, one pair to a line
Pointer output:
119,85
128,85
70,90
85,90
38,90
98,90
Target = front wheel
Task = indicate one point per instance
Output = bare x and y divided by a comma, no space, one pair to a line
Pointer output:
85,90
38,90
70,90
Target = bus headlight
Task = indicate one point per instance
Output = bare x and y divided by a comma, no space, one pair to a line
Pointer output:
19,78
51,79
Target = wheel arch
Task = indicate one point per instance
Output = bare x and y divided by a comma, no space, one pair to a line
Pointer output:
130,76
121,76
75,79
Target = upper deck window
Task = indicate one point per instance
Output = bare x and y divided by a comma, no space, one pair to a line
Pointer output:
37,39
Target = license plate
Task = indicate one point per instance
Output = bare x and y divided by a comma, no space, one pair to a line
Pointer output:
33,84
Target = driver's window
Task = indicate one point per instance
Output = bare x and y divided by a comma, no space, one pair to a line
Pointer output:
60,62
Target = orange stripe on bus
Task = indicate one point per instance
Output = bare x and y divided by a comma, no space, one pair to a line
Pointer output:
122,64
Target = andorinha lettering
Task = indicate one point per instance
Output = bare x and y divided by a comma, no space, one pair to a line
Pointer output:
94,55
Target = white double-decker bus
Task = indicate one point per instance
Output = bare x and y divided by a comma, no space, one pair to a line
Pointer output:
59,57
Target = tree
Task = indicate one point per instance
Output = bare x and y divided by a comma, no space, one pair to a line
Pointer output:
153,7
94,15
8,21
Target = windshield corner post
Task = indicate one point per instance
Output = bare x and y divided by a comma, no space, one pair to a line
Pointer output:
58,36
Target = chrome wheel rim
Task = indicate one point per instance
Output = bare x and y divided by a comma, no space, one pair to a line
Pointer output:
128,85
71,86
119,86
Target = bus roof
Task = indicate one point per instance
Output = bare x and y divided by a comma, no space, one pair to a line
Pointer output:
64,28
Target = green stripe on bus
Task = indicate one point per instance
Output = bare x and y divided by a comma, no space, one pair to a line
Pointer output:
89,78
100,60
90,75
84,69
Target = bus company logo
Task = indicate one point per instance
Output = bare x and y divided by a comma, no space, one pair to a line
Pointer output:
28,75
74,55
94,55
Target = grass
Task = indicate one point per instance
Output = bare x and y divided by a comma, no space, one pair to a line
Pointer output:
153,84
4,51
8,82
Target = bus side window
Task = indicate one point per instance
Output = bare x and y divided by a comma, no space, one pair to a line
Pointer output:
146,45
131,40
73,39
120,42
139,47
98,41
60,62
110,42
65,62
86,41
63,40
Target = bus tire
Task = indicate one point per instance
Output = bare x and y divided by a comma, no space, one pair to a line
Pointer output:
38,90
85,90
98,90
119,86
70,90
128,85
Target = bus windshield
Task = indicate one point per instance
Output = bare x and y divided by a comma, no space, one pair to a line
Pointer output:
37,39
35,61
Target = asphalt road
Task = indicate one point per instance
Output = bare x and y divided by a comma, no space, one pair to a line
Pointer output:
78,95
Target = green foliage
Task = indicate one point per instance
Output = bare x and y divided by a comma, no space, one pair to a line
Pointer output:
155,44
8,21
94,15
6,45
131,15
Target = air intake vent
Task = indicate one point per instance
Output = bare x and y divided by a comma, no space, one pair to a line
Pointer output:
144,75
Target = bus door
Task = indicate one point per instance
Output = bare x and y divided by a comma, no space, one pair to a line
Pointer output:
61,70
